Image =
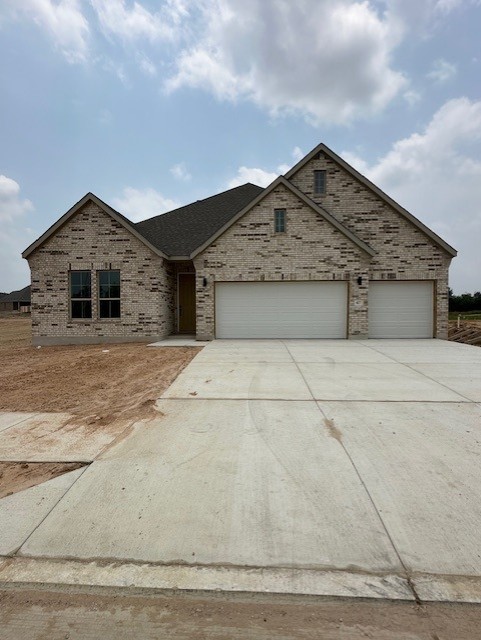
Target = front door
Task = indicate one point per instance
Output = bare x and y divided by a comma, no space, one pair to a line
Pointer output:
187,302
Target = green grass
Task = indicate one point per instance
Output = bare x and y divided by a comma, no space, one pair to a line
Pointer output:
467,315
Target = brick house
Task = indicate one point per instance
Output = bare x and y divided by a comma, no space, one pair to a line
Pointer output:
320,253
16,300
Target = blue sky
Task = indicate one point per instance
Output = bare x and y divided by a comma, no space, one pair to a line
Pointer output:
153,104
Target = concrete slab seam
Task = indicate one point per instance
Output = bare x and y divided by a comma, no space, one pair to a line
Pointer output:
441,384
406,572
15,424
82,471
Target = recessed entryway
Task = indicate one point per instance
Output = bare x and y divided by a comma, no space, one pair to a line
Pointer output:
186,300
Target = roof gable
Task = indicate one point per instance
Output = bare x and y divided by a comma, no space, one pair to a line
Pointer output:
107,209
322,148
319,210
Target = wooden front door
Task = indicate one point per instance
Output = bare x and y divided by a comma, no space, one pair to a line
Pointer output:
187,302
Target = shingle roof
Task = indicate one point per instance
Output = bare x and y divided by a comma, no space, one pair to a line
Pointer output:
22,295
180,232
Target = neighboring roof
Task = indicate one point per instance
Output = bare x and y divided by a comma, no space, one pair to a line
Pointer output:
125,222
181,231
22,295
370,185
310,203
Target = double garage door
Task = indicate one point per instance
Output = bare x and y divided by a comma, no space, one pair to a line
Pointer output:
320,309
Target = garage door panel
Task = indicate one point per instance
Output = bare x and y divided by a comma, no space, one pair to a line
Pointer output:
401,309
281,309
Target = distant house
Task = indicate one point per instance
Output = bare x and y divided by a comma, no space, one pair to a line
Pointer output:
322,252
16,300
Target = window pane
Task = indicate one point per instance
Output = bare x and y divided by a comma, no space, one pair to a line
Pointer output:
109,308
115,308
81,309
104,309
114,291
80,284
109,284
279,220
319,181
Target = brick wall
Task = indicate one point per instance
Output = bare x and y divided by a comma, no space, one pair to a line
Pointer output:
310,249
403,251
92,240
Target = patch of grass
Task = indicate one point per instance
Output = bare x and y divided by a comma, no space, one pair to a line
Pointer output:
467,315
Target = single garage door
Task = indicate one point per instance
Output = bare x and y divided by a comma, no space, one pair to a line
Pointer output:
401,309
281,309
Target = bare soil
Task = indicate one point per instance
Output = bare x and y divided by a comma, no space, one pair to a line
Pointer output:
36,614
17,476
104,388
100,382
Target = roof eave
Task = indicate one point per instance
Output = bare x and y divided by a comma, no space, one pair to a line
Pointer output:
282,180
105,207
237,216
330,219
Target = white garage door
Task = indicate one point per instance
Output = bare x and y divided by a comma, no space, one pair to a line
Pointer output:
281,309
401,309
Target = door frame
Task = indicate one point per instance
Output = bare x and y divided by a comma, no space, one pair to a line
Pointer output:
185,273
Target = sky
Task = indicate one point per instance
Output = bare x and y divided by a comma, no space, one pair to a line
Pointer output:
154,104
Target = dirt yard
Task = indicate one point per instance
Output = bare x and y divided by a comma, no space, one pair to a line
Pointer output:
101,382
31,615
16,476
97,392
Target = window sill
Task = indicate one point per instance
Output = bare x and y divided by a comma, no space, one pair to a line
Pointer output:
95,320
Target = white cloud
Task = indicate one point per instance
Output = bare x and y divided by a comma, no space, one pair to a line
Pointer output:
297,154
329,61
13,238
11,204
412,97
442,71
63,21
147,66
139,204
180,172
436,174
254,175
118,70
262,177
134,22
14,271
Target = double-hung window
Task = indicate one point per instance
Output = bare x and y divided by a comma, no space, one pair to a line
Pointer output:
109,294
80,294
279,220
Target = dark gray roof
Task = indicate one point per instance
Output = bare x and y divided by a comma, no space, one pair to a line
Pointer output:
180,232
22,295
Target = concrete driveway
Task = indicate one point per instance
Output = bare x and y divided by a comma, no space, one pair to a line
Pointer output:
339,467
